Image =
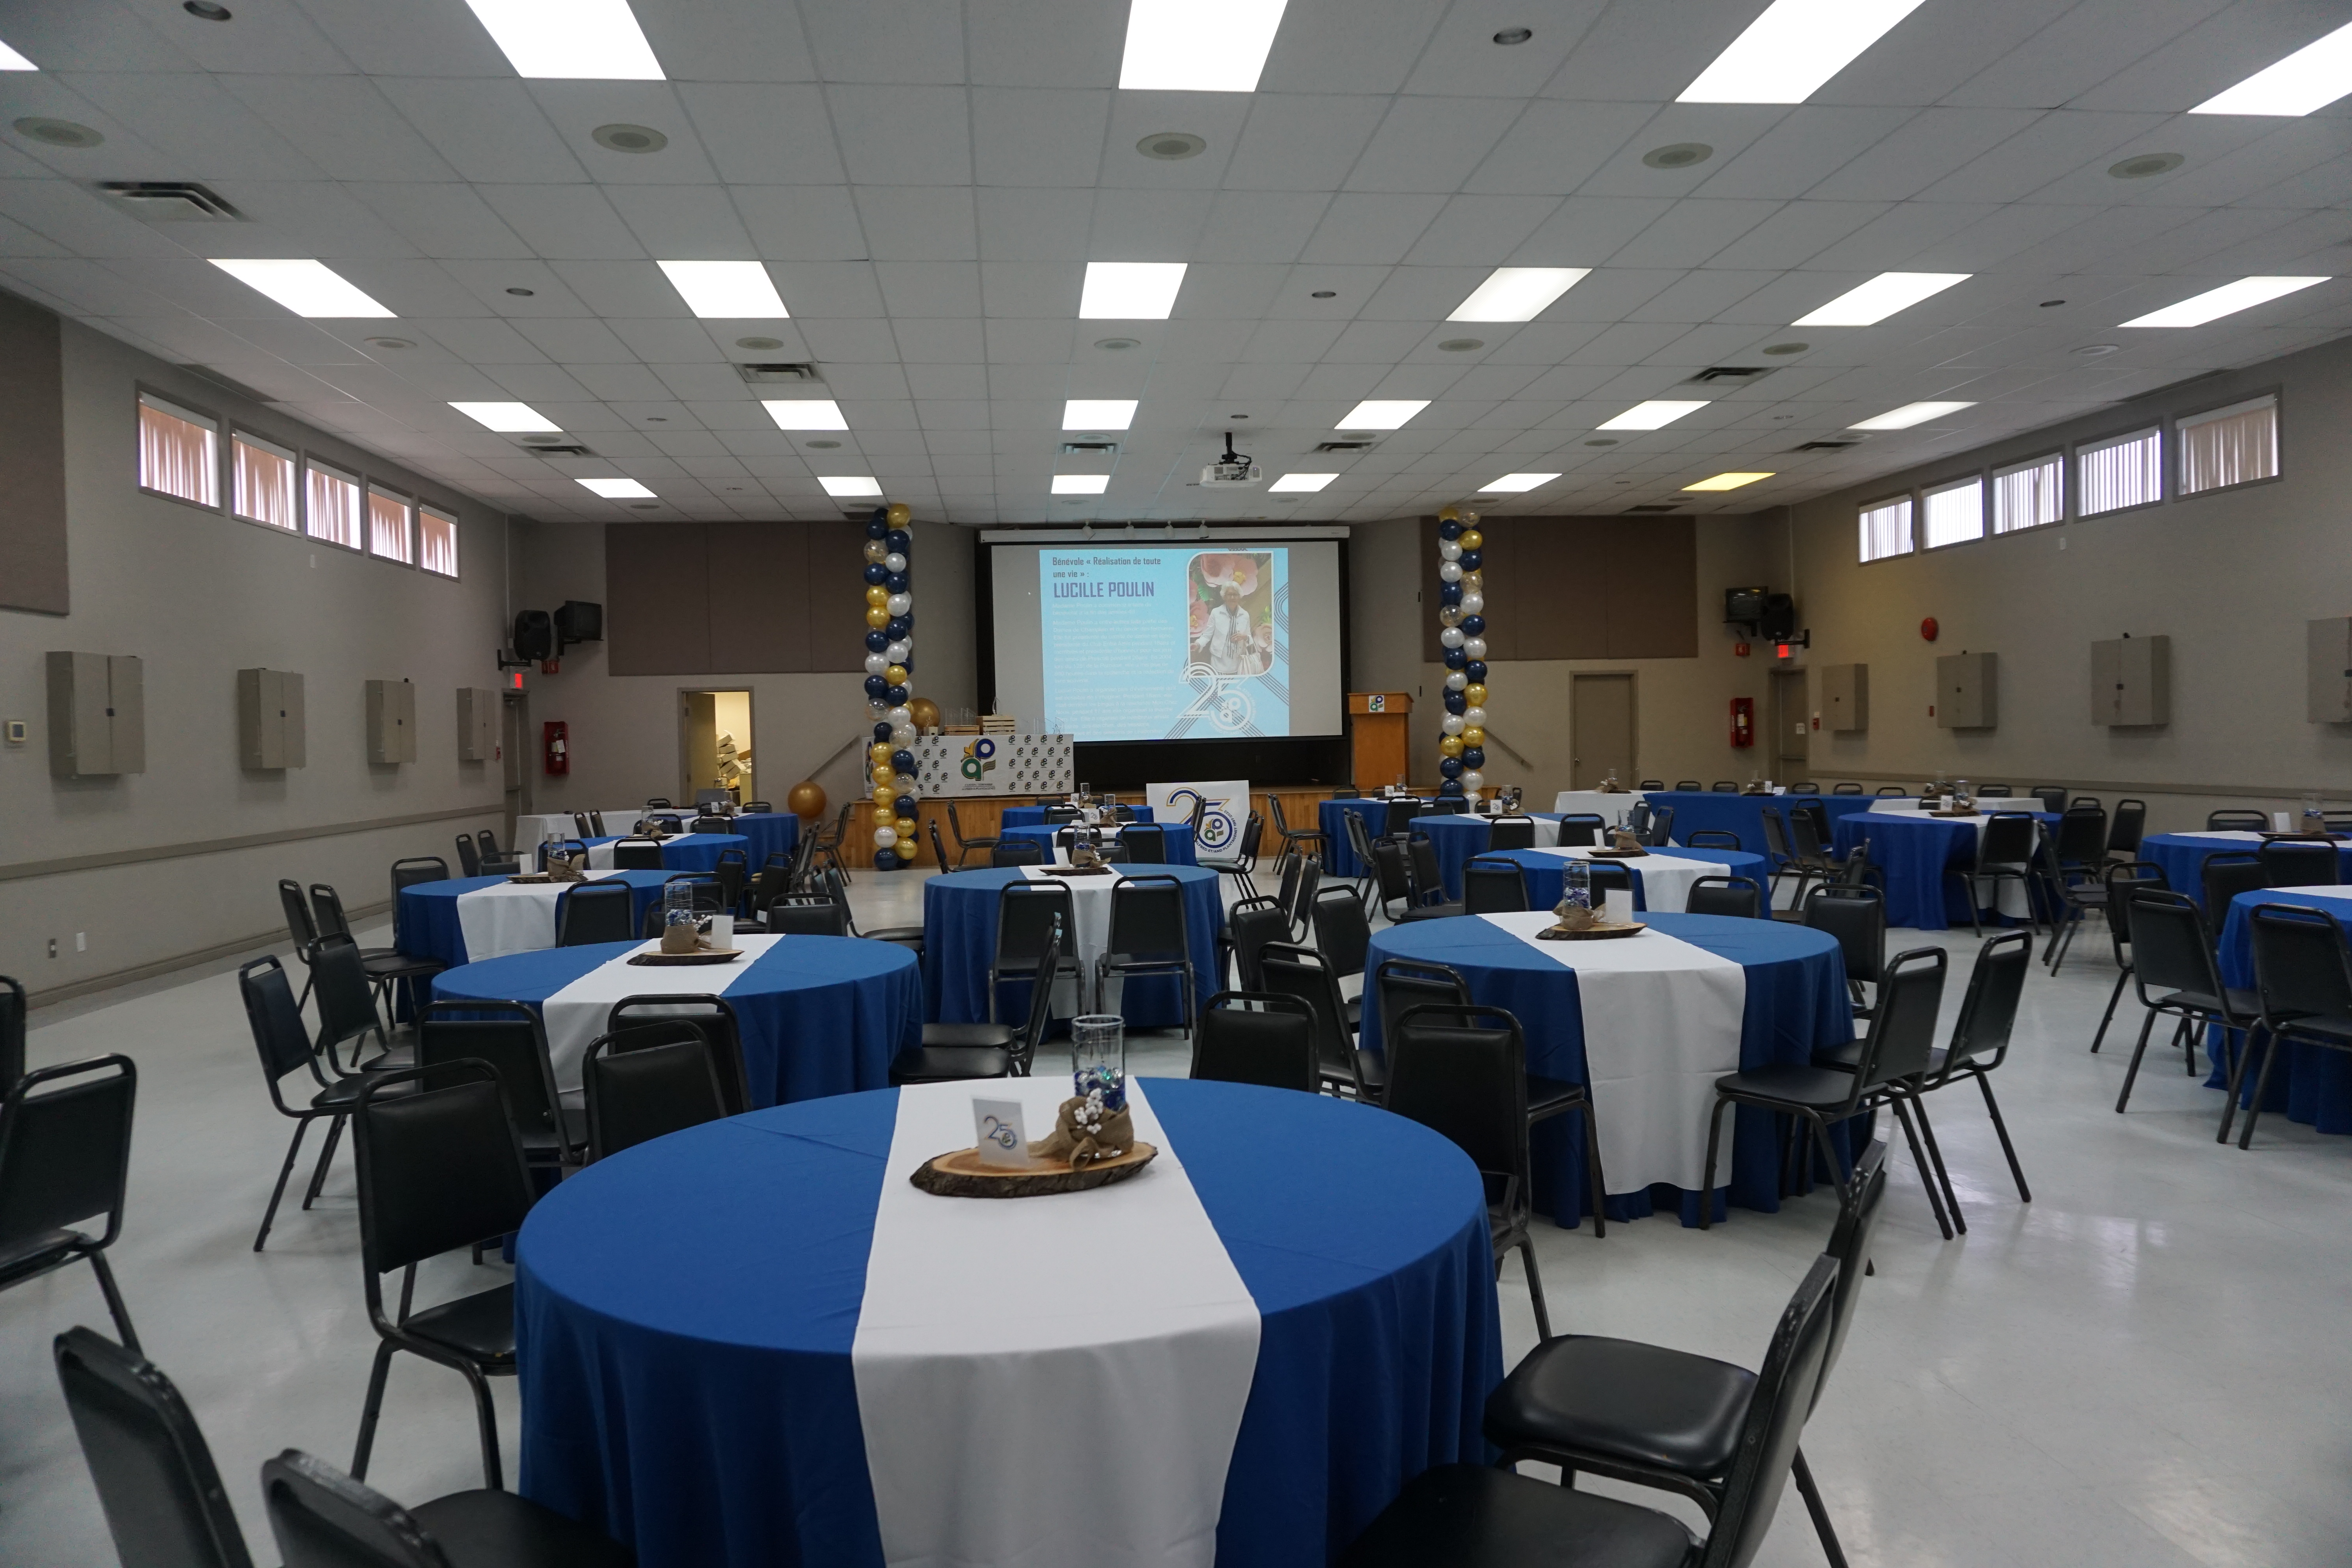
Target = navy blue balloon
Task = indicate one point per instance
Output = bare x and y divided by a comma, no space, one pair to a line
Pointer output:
895,696
878,526
894,581
1474,756
903,760
1456,658
876,686
904,805
876,642
1473,625
875,574
1455,703
1449,593
882,729
1473,558
901,540
1448,528
1476,670
1451,767
885,859
899,626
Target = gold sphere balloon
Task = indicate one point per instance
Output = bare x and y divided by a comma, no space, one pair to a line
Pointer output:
805,799
1474,694
876,594
895,675
925,713
1449,514
900,514
1471,538
905,825
1451,745
877,617
1474,735
881,751
883,795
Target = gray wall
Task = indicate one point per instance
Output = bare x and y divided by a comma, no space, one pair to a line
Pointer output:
197,596
2231,576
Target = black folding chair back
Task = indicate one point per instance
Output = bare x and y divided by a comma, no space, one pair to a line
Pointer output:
1025,917
1723,787
1250,925
1786,1385
1016,852
1391,877
1398,985
1252,1036
2236,822
1738,896
2224,875
347,1010
1845,789
415,870
1514,833
2051,796
2176,974
1578,830
2303,977
2081,837
2130,823
1301,973
65,1159
1715,838
1493,887
1857,918
596,911
509,1036
1805,787
1300,905
13,1026
2289,864
469,859
1146,843
713,1017
1661,827
807,915
156,1483
1150,934
644,1081
1342,935
325,1519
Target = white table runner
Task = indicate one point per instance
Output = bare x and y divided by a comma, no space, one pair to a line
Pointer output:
510,916
1662,1021
576,1015
1666,879
1052,1380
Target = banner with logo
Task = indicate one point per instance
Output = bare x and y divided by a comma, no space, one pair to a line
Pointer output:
993,765
1220,825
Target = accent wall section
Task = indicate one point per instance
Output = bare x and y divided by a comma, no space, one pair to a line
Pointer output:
32,461
761,598
1580,587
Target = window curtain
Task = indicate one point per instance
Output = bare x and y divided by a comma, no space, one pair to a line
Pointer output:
2129,472
334,509
264,485
2230,448
176,456
437,543
388,527
1886,530
2028,496
1955,514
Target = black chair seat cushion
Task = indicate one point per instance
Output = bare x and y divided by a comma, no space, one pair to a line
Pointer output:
390,965
39,1252
1373,1068
1551,1096
971,1036
905,936
1645,1405
481,1326
1431,912
539,1140
2328,1028
1847,1057
1468,1516
344,1093
948,1064
502,1529
1820,1086
2243,1006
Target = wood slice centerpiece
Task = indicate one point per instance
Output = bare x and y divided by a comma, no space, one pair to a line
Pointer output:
1614,854
701,955
1591,933
962,1174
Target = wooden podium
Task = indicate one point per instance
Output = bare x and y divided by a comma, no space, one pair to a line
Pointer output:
1377,723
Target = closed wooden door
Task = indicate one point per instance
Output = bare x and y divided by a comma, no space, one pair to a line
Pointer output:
1600,720
1789,758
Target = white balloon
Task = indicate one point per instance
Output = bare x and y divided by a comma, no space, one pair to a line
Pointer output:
875,664
900,715
1450,550
1451,636
885,838
900,604
902,734
1472,604
1451,724
1475,647
1449,571
1472,715
897,652
1473,781
894,561
1455,681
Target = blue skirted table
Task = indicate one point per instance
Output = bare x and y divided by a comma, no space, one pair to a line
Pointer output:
464,920
1341,858
1177,836
2183,856
1911,850
959,938
1034,816
685,852
1545,872
767,833
818,1014
1758,993
2311,1084
1457,836
1698,810
754,1343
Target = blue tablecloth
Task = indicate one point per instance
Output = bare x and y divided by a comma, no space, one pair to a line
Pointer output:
425,922
959,937
2183,856
1341,858
2311,1084
684,1314
1796,1004
1695,810
767,833
1544,874
1911,853
693,851
1034,817
1176,836
818,1014
1458,835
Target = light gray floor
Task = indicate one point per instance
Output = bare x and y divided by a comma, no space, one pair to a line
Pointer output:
2147,1365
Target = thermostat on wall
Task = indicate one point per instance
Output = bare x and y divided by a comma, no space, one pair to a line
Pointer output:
16,731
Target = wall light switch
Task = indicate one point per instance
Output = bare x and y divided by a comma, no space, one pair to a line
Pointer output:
82,942
15,731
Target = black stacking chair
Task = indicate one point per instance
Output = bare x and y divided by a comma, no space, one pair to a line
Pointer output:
279,1038
13,1010
635,853
2303,977
1493,887
347,1006
1150,934
2289,864
1652,784
1883,1068
1398,818
1299,901
440,1168
1857,918
2005,852
2122,879
1027,913
1295,840
806,914
835,883
1607,876
1689,784
1449,805
1513,833
1667,1418
2070,860
2051,796
1900,790
1805,787
494,861
595,826
732,869
2130,823
708,1015
1343,936
638,1092
1462,1071
1016,852
1661,827
1724,896
1637,821
1723,787
415,870
1057,813
300,927
469,859
387,968
2236,822
1780,858
1995,791
324,1518
952,1053
1578,830
582,826
1392,878
596,911
1250,925
1254,1037
1244,860
964,847
657,802
2223,877
1981,1038
1716,838
1845,789
1146,843
509,1036
1304,974
713,824
576,849
1428,882
65,1158
2176,974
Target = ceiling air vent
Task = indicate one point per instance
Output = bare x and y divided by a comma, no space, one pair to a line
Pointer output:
1345,446
759,375
1825,445
543,447
171,201
1656,506
1730,374
1090,447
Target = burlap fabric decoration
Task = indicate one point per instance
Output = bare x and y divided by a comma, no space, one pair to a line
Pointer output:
564,868
681,937
1622,839
1576,916
1084,1132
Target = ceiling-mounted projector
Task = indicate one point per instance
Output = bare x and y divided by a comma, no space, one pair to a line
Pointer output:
1235,470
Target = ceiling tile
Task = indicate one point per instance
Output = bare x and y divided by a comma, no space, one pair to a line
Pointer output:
763,134
913,136
1297,141
1032,225
916,223
800,223
1362,227
1037,136
343,123
489,131
726,40
440,218
1431,143
683,223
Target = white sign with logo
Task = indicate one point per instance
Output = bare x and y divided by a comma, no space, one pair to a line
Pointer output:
1220,825
992,765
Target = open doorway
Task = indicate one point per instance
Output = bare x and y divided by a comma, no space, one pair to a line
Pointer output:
714,744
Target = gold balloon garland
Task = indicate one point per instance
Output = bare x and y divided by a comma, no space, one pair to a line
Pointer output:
1462,623
890,670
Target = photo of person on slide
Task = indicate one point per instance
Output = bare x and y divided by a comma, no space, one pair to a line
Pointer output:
1231,613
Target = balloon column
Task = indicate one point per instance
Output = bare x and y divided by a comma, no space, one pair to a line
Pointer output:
890,660
1461,621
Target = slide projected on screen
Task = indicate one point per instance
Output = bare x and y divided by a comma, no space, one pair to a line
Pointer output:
1170,643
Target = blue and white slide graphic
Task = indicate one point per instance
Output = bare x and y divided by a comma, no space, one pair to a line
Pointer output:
1167,643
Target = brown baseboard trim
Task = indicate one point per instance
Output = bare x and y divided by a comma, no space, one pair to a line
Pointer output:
69,863
38,997
2117,787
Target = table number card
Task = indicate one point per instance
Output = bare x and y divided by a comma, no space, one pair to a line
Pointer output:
997,1132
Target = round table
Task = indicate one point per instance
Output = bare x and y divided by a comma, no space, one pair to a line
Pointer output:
685,852
465,919
1753,994
755,1342
959,938
2183,856
1911,849
818,1014
1341,858
1611,805
1545,872
1034,817
767,833
2311,1084
1176,836
1457,836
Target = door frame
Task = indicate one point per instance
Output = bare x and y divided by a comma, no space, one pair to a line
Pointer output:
1633,717
519,763
1776,681
685,763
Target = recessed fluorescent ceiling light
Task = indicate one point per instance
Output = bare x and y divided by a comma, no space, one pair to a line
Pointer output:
619,489
1726,481
1910,414
2313,77
1515,482
2228,299
1098,413
848,485
1129,290
1382,413
1081,484
1301,482
1654,414
1794,47
1867,304
10,60
1198,46
723,289
805,413
507,418
1517,293
304,287
585,39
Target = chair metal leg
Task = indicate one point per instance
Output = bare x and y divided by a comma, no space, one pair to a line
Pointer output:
1706,1189
2262,1087
1535,1289
2186,1036
2113,997
269,1215
115,1302
1821,1526
1592,1167
372,1409
2000,1129
2238,1061
1942,1176
1926,1171
2138,1051
486,1416
326,1157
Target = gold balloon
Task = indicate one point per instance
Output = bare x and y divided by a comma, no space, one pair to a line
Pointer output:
905,825
900,514
895,675
805,799
1451,745
1474,694
1471,538
1476,735
876,594
1449,514
925,713
883,795
881,754
877,617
